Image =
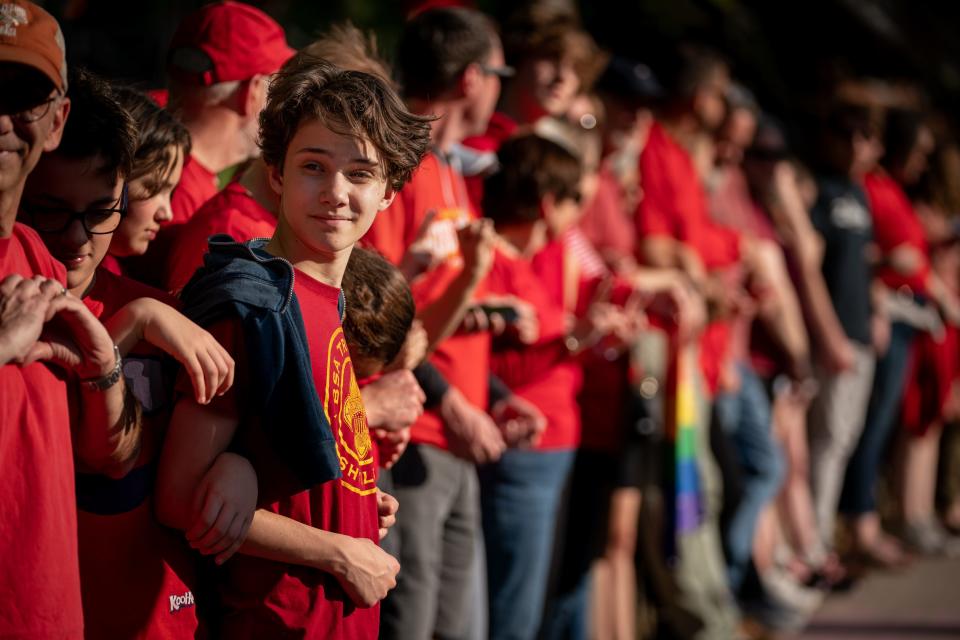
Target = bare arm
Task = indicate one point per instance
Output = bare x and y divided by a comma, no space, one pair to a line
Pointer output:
207,363
106,425
441,318
196,436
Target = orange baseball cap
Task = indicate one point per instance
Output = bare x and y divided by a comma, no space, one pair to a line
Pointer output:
227,41
31,36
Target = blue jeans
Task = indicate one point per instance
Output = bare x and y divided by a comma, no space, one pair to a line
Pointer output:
885,397
745,417
519,498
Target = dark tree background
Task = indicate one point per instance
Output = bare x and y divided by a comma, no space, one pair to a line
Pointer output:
793,54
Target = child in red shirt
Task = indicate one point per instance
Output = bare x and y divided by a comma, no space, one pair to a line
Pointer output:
162,144
338,145
126,557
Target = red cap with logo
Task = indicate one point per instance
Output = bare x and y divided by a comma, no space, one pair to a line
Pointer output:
227,41
31,36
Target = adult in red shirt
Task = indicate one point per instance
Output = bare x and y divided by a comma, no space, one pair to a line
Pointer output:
40,573
905,269
244,209
219,63
437,527
675,230
552,64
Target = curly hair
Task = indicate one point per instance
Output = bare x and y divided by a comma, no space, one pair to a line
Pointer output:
349,103
380,307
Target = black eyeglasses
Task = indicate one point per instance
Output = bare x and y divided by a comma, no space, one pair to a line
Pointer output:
94,221
503,71
28,115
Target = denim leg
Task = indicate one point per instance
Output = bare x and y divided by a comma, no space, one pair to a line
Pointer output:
762,461
519,498
568,618
888,382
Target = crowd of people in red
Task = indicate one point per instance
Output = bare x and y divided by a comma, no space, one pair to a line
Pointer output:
510,338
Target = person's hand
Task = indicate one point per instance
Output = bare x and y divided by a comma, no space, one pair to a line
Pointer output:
422,255
524,324
414,349
223,507
520,422
365,571
391,445
210,367
477,241
880,333
23,311
387,507
839,356
950,307
472,433
74,339
394,401
691,311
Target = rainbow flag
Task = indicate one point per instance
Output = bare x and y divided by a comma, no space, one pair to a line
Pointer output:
682,490
688,512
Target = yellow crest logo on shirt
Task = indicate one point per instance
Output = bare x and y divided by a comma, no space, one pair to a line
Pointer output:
343,405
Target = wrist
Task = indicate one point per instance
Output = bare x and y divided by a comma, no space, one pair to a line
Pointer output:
333,556
104,375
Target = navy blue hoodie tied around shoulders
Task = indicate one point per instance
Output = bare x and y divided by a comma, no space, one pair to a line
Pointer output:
243,281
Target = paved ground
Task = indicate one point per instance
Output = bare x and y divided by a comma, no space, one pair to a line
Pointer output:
921,602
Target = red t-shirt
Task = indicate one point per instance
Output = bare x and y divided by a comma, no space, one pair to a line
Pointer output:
197,185
39,572
233,211
895,224
265,599
542,373
463,359
129,563
605,221
674,204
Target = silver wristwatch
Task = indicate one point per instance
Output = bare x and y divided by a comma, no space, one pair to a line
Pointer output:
105,382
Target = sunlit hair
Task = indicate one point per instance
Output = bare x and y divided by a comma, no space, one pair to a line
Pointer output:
349,103
161,139
348,47
555,37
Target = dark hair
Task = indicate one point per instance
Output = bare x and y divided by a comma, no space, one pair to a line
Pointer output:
348,103
844,120
157,131
691,68
98,125
379,306
531,167
901,131
437,46
557,38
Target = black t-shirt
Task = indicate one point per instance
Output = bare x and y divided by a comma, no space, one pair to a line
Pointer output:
842,217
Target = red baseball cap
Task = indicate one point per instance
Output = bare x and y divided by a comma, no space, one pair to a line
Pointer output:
31,36
227,41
